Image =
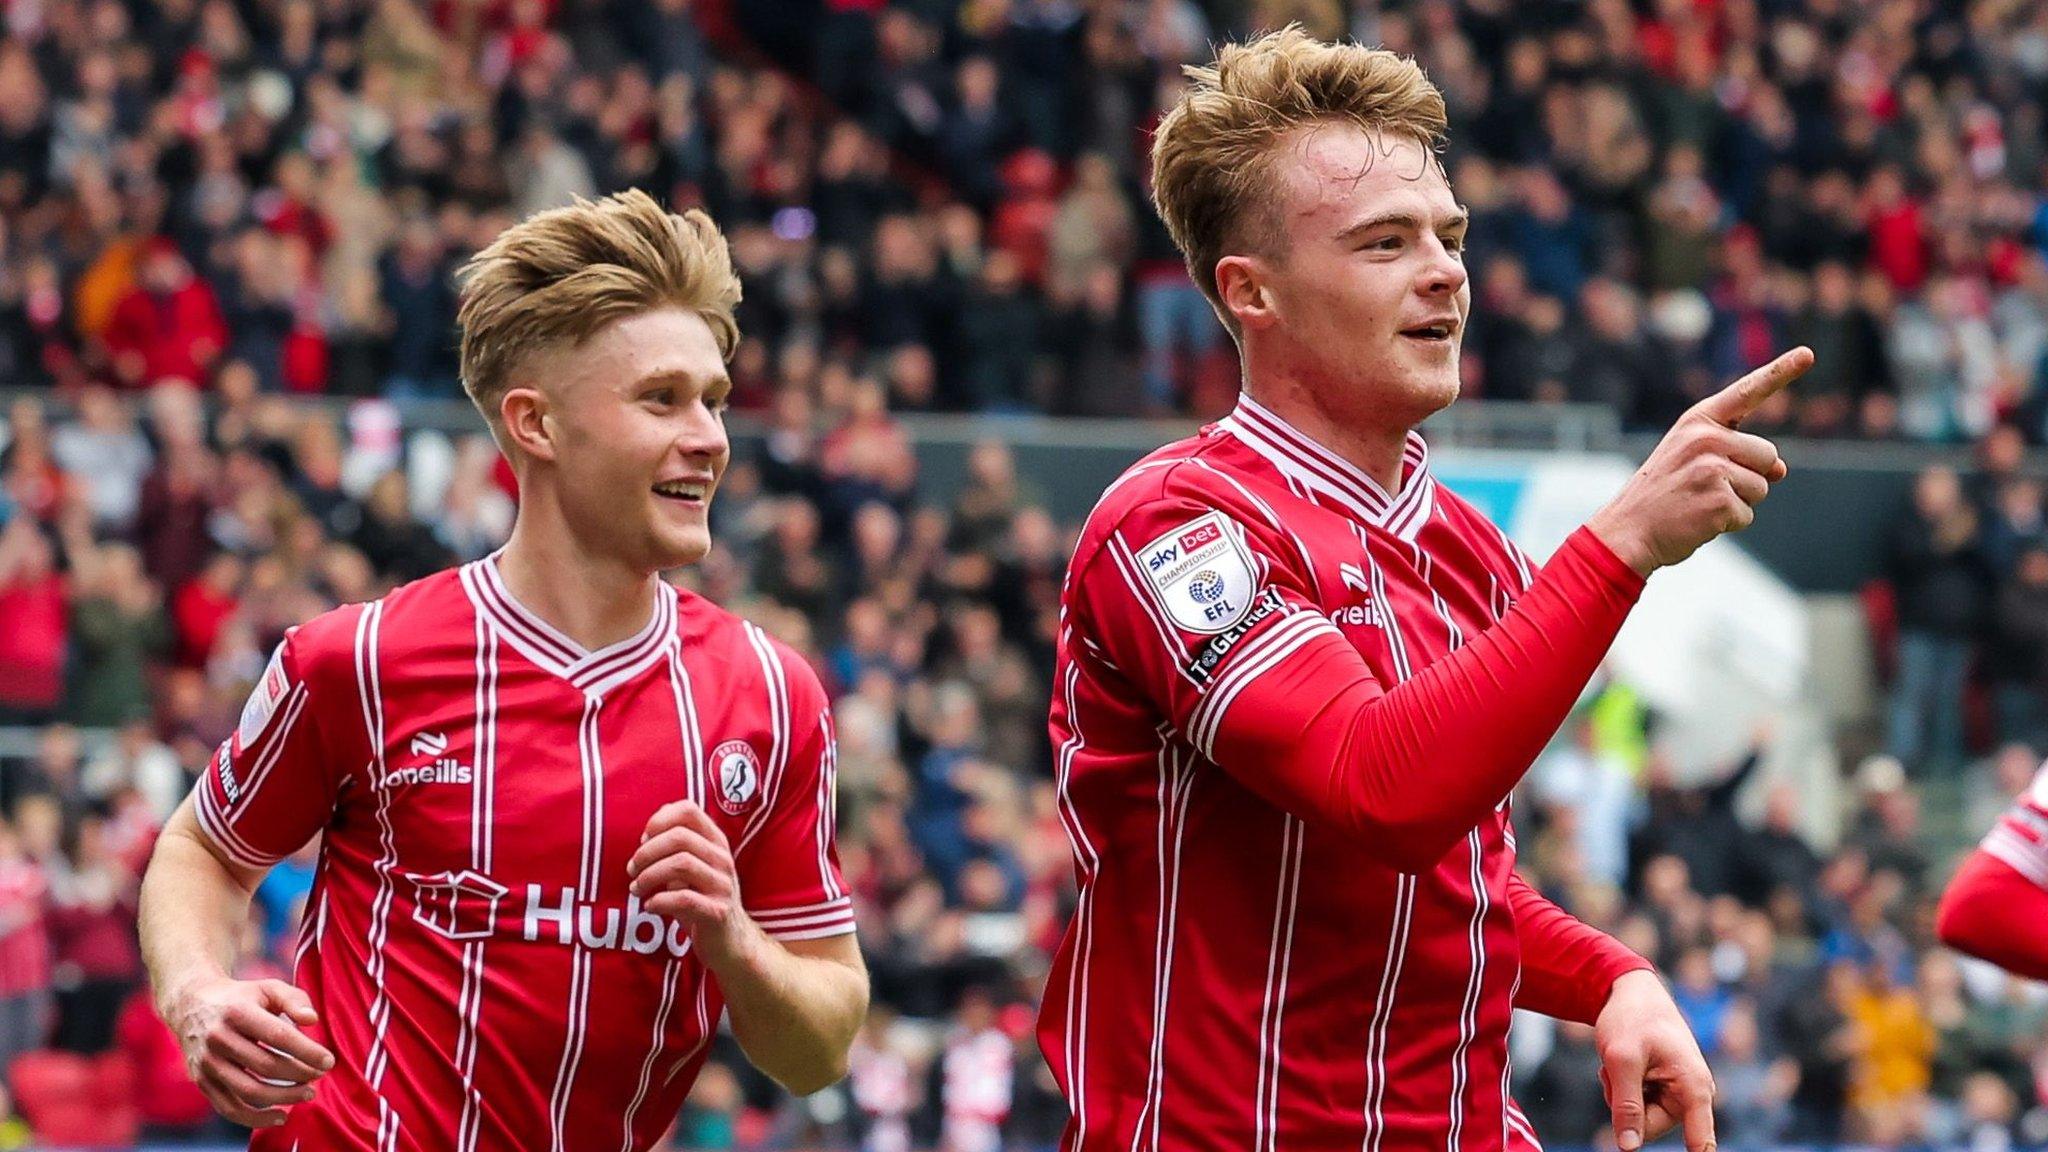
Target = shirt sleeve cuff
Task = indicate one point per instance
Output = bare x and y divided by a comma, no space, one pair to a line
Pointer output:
806,921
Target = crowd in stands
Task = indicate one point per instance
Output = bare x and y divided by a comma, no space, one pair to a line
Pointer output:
209,207
949,196
138,602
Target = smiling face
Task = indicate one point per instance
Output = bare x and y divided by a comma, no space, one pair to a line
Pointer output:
635,438
1359,292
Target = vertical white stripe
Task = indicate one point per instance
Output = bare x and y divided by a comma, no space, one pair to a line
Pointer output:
668,996
370,690
1383,1012
777,686
1176,786
484,741
586,890
1266,1120
1087,865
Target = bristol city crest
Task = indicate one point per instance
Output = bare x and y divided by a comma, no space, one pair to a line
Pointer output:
736,776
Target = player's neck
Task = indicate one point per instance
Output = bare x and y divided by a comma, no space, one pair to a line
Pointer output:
1373,449
592,600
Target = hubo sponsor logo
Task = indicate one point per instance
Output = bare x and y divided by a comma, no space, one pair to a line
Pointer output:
440,769
560,917
465,906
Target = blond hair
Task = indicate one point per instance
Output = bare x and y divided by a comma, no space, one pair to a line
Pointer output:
560,276
1211,155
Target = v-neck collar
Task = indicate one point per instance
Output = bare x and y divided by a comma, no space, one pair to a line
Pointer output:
1335,479
592,672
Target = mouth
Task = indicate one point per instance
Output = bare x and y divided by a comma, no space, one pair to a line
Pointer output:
689,493
1439,332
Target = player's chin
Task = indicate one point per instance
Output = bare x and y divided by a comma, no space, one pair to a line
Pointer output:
679,545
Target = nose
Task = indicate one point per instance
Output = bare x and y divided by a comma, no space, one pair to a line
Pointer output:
1445,273
701,433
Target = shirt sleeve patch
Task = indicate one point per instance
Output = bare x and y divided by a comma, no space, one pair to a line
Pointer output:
1217,647
1201,573
263,702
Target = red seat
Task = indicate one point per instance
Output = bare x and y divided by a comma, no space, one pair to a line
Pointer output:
77,1101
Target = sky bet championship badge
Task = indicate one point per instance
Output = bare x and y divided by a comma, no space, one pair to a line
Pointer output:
1201,573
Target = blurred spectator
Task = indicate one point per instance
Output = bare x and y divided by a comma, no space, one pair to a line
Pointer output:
1752,1090
25,1002
169,326
976,1078
34,626
92,931
1943,585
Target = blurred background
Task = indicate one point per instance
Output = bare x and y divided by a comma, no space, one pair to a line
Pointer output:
227,232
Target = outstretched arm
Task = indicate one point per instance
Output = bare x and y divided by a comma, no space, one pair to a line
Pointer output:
1994,913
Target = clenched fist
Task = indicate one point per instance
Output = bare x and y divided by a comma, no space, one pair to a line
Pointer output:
1705,478
244,1049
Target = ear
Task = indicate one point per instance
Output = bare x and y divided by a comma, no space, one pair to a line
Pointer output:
528,422
1241,283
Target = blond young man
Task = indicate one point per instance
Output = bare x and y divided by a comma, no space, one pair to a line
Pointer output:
569,814
1297,679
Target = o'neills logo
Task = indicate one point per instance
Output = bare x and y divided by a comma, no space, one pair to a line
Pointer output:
562,918
439,772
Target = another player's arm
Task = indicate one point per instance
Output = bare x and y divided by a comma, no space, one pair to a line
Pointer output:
1996,907
266,791
1992,912
1291,709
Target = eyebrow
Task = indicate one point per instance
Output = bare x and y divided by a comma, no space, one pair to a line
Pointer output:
715,384
1409,220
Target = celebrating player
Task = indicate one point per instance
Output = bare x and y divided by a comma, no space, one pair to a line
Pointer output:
1996,907
569,813
1297,679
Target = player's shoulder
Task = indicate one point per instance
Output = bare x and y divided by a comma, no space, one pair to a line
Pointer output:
746,653
418,613
1176,484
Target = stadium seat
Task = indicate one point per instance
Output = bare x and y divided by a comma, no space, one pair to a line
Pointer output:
74,1101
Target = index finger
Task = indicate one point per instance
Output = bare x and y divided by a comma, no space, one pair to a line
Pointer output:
683,814
1699,1124
1731,404
280,1035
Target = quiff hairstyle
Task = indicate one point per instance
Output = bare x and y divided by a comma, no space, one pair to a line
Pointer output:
558,277
1212,155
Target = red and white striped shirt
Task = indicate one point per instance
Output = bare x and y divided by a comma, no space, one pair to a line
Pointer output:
1238,976
2020,838
481,972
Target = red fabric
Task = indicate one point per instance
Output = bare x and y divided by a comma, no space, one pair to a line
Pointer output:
197,612
74,1101
178,335
1290,707
1470,724
472,880
33,629
1996,907
1992,912
164,1094
1568,966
